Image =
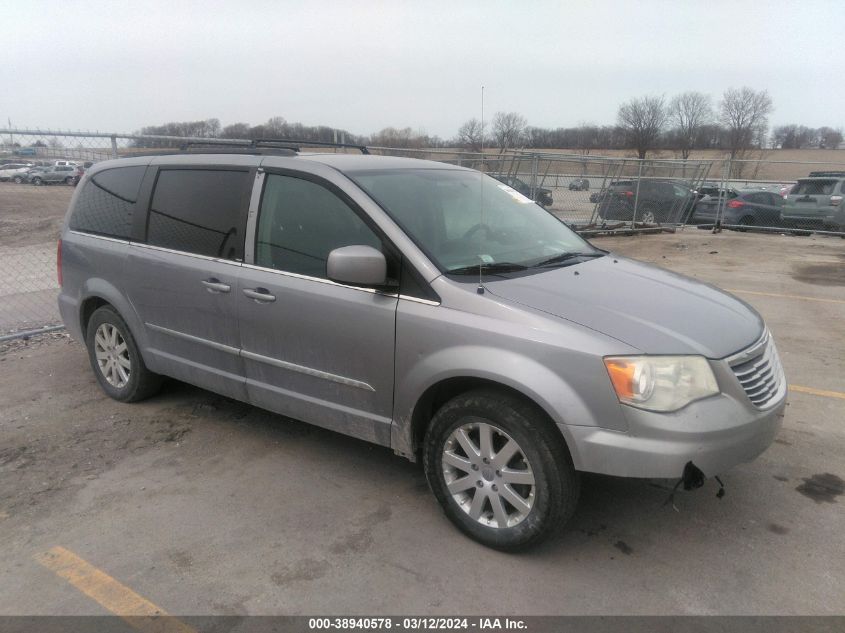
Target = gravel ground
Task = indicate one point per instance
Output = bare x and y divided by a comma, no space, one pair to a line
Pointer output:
204,505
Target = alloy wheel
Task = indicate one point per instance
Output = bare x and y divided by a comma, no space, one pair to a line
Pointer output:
648,217
488,474
112,355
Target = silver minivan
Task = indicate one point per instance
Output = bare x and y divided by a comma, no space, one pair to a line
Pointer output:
420,306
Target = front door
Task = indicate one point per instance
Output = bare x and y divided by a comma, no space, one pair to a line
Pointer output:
313,349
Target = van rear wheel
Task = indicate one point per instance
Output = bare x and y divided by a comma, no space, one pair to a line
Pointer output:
500,469
115,358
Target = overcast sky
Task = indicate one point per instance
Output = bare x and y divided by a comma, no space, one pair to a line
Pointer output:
362,66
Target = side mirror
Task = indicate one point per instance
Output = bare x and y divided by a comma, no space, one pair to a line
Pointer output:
357,265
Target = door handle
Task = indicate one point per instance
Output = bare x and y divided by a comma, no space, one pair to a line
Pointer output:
214,285
259,294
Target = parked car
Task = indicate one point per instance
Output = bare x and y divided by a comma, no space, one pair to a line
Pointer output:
598,196
711,189
26,176
742,207
658,201
420,306
56,174
10,170
579,184
816,203
542,196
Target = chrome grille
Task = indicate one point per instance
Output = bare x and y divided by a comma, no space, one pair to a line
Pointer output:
760,373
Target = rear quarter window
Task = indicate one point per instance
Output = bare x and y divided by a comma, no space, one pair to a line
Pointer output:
106,204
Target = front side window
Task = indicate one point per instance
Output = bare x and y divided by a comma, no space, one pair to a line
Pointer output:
464,218
199,211
301,222
107,201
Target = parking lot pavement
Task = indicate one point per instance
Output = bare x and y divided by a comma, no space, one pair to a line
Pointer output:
204,505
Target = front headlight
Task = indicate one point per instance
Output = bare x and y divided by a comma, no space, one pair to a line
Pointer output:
661,383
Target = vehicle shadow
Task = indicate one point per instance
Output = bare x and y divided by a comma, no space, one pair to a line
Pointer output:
616,514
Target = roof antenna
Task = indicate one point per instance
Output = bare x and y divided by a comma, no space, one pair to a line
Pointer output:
480,289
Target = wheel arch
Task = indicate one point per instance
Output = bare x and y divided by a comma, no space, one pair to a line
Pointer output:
443,390
97,293
87,308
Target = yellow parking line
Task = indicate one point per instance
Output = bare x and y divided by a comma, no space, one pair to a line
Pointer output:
780,296
817,392
116,597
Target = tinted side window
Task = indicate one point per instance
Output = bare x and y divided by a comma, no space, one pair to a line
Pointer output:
107,200
199,211
300,222
814,187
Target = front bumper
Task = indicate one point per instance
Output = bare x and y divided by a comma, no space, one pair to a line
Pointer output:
715,434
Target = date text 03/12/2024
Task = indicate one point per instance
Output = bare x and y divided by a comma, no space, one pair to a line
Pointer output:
417,624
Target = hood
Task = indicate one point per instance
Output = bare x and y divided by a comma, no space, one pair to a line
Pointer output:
651,309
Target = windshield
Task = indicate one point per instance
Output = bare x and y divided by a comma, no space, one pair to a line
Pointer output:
464,218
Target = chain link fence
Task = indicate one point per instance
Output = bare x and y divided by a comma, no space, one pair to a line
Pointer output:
593,194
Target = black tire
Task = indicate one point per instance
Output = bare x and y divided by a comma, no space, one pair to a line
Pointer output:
557,484
70,180
746,220
37,182
17,180
142,383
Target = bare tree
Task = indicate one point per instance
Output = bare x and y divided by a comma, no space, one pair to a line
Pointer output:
586,137
642,121
794,136
744,113
469,135
236,130
688,113
509,130
276,127
403,138
829,138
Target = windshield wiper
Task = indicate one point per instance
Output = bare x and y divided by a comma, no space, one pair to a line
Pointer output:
559,259
498,267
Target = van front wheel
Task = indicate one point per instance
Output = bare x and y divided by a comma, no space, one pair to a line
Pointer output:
500,469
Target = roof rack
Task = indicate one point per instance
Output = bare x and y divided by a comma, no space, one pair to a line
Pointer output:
826,174
265,146
296,143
